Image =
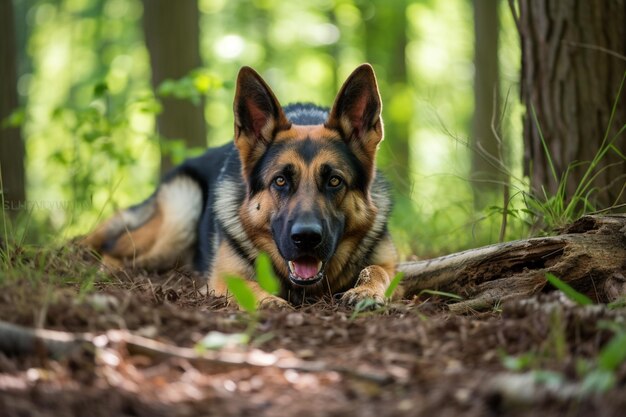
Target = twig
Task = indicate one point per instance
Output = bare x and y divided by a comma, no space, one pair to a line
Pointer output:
19,340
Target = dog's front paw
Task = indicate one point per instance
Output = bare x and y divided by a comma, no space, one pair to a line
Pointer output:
274,303
356,295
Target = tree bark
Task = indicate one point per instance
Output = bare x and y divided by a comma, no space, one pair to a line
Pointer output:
573,62
590,256
171,30
11,144
487,173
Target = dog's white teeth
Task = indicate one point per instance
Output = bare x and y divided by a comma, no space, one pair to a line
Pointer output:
292,267
319,266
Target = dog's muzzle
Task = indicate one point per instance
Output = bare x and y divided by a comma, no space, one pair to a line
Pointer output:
306,270
306,235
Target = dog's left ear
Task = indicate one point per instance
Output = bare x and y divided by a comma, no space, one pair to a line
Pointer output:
356,113
258,117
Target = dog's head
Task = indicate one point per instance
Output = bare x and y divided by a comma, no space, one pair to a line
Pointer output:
308,198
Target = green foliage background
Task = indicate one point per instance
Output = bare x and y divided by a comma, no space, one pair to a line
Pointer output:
89,110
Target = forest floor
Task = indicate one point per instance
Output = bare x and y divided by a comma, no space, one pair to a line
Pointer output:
529,357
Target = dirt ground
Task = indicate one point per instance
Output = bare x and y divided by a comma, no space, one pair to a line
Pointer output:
412,358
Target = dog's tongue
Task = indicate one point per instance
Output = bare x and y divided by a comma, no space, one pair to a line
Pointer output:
306,267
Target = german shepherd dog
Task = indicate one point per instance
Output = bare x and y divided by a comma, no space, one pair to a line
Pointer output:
298,183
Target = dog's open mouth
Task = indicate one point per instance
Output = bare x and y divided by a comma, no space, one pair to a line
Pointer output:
306,270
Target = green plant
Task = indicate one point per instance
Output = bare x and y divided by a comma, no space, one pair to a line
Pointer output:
193,87
242,293
365,305
440,294
247,300
519,363
595,375
108,137
393,285
602,377
617,304
266,279
571,293
265,274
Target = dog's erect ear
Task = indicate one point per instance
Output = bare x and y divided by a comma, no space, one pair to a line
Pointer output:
356,113
258,116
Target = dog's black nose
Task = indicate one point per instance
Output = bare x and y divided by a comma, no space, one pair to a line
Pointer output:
306,234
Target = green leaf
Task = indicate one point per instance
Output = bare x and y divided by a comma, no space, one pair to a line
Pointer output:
614,353
441,294
265,274
598,381
15,119
571,293
242,293
393,285
166,88
519,363
100,89
548,378
619,303
365,304
217,340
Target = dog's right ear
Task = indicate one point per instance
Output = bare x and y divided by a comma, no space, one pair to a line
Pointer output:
258,117
356,114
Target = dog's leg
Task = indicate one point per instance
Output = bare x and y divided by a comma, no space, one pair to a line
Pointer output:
156,234
230,264
266,300
371,284
374,280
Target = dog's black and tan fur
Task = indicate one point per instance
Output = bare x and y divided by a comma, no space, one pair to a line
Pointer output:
298,183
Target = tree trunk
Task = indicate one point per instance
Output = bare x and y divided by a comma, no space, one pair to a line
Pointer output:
573,62
11,145
487,174
385,43
590,256
171,30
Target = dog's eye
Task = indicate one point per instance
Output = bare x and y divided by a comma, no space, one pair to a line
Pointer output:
280,181
334,181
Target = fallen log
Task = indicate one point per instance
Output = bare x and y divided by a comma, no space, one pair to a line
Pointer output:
589,255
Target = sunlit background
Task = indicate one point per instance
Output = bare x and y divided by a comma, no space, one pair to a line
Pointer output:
89,109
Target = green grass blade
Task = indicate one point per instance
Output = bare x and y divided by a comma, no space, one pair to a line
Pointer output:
571,293
544,144
598,381
362,306
265,274
617,151
441,294
242,293
393,285
614,353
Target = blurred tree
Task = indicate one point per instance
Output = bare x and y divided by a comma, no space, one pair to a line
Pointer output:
172,36
487,171
385,30
573,62
11,145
